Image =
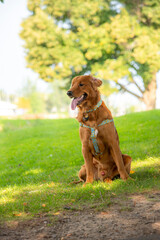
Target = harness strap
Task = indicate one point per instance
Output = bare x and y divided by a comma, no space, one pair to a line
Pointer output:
95,144
95,108
93,135
105,122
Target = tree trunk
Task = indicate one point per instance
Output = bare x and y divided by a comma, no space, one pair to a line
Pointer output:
149,96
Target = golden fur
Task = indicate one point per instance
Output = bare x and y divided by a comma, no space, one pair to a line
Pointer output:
112,162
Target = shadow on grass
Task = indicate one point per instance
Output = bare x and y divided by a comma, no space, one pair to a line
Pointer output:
38,161
51,196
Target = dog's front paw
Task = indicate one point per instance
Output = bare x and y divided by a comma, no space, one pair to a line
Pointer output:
88,181
86,184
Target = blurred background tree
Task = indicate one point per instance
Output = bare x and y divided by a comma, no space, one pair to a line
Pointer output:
7,97
117,41
3,95
57,99
31,99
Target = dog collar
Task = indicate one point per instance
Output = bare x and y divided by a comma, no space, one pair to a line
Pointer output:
95,108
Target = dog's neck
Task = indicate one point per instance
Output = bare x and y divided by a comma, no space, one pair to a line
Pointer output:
87,106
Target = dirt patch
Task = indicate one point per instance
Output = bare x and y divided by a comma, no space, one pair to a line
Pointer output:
138,218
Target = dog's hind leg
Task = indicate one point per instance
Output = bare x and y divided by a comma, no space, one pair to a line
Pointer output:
82,173
127,164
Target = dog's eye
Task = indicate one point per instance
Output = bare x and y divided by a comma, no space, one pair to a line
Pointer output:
81,84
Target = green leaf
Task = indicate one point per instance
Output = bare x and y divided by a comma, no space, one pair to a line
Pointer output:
65,38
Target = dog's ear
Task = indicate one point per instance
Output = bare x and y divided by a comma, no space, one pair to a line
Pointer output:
96,82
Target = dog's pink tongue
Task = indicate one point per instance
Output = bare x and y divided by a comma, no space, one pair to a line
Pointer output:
74,103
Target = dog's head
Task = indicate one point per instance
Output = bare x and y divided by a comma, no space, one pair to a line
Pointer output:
83,89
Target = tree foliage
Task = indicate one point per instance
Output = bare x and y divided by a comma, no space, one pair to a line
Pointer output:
115,40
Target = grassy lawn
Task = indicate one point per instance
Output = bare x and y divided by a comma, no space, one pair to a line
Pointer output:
39,158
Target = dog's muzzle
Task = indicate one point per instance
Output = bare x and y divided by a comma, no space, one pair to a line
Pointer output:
69,93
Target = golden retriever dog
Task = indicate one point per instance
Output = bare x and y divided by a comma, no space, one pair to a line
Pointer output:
100,142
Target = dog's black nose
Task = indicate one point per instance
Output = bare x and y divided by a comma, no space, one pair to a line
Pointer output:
69,93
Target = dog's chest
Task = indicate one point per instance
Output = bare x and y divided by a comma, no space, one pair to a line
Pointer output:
97,140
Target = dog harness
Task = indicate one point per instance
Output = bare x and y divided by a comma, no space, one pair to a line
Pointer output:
95,108
93,130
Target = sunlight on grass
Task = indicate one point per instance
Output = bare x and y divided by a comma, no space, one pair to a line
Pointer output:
148,162
28,189
5,200
40,197
38,166
9,190
33,171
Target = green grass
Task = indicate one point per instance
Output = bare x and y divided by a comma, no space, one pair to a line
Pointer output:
39,158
